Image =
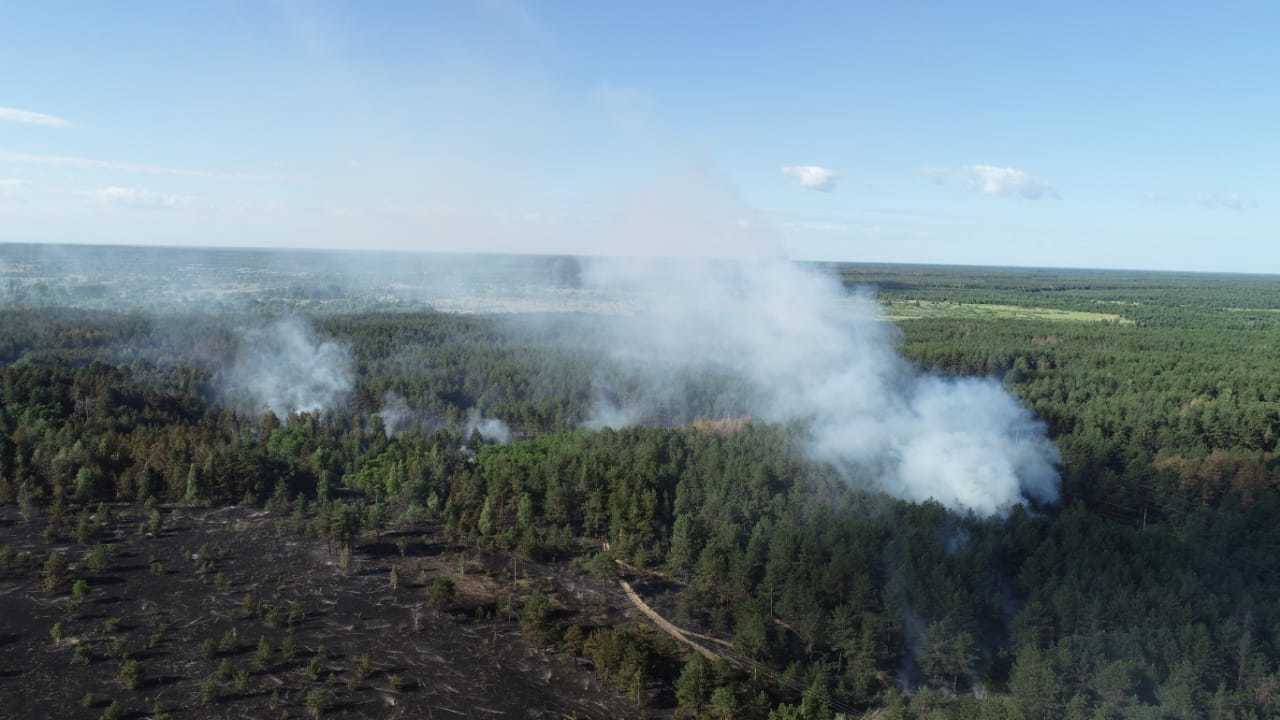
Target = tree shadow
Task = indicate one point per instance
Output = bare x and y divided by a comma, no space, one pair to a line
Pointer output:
105,581
160,681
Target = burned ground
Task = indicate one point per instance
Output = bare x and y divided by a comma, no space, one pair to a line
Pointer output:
228,613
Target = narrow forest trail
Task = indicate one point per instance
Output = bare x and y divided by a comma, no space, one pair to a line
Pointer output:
662,623
726,652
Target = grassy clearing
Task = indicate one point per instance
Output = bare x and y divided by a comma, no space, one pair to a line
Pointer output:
922,309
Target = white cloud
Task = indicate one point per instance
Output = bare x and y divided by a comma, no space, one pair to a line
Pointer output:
26,117
813,177
995,180
143,199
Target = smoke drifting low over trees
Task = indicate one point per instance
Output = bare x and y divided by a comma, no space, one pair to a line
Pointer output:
285,368
791,345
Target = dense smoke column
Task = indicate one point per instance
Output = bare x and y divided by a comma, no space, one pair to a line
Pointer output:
285,368
803,350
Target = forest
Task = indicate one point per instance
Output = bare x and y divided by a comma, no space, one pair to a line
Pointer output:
1150,589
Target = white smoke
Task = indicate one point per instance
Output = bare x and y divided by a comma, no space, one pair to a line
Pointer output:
491,429
804,350
283,367
396,414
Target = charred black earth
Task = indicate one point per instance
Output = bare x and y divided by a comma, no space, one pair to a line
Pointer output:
228,614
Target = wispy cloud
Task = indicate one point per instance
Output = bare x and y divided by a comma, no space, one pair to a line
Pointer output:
996,180
1226,201
813,177
1207,200
83,163
138,198
817,226
26,117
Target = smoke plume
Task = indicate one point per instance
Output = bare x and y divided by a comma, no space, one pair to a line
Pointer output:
491,429
800,349
284,368
396,414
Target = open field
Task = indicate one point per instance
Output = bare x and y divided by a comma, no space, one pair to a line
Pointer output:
937,309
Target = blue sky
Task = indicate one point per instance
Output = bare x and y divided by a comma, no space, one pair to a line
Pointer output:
1135,135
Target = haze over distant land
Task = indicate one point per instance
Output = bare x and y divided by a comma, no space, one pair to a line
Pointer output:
967,135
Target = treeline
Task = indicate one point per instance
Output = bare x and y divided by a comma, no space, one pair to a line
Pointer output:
1150,298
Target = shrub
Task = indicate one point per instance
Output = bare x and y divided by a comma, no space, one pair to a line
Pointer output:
114,711
130,674
603,566
79,591
27,506
316,701
441,593
228,642
84,528
155,522
97,558
118,648
55,572
296,612
82,655
263,656
209,689
363,666
534,618
574,638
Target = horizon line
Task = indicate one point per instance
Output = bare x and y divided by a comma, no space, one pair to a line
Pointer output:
549,254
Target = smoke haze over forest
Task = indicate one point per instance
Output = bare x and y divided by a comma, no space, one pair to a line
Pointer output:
685,338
